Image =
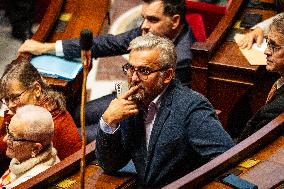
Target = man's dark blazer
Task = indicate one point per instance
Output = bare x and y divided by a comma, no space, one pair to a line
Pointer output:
112,45
273,108
186,133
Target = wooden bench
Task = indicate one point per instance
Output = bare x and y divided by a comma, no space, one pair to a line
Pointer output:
272,133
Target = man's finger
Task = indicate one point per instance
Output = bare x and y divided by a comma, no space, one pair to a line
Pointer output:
131,91
259,40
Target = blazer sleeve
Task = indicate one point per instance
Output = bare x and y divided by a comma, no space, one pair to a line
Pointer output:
205,132
104,45
263,116
110,151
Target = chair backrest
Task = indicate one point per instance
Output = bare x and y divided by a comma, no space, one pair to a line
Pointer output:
204,17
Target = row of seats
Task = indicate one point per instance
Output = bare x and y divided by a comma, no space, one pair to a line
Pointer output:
203,17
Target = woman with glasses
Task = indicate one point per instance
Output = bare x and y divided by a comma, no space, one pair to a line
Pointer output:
29,144
21,84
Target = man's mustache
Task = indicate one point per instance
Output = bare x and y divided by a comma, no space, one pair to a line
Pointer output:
139,85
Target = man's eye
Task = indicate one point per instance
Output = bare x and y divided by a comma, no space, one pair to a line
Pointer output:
144,71
153,19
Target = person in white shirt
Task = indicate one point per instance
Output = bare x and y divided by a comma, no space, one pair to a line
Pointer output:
257,34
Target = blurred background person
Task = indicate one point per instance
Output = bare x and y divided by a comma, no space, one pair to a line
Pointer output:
21,15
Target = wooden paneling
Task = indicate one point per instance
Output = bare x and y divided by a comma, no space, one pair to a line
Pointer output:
223,74
261,144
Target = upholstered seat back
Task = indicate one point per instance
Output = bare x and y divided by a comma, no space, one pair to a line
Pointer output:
203,18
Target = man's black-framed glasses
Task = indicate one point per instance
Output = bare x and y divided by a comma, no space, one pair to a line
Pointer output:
15,98
12,138
272,45
142,72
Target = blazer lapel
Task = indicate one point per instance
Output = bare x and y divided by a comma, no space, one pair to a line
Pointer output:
162,115
278,92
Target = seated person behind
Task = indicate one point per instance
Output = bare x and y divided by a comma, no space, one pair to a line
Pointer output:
21,84
166,129
28,139
256,35
275,63
163,17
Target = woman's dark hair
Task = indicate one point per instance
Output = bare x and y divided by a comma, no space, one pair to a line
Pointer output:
24,72
172,7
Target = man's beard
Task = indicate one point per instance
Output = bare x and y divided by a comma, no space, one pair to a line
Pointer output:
144,95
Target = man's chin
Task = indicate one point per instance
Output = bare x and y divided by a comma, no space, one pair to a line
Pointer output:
269,67
9,153
137,97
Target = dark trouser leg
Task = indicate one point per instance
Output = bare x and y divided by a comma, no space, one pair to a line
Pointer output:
94,111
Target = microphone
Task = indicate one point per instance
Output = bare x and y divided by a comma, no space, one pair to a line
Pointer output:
86,43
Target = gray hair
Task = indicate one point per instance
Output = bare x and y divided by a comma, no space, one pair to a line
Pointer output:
168,54
278,24
37,123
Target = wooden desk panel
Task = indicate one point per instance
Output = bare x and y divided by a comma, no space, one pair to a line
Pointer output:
225,77
69,168
262,155
84,14
261,144
96,178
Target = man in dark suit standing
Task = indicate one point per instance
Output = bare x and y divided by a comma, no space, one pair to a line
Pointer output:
166,129
275,63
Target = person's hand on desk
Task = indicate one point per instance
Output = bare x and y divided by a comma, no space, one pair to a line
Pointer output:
36,47
254,36
121,108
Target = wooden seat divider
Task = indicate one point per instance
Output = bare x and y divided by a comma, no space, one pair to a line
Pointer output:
207,172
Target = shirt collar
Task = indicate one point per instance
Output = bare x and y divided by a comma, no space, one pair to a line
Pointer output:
280,82
157,100
181,28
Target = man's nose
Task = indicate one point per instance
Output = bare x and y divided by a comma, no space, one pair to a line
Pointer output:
268,51
11,105
145,25
5,138
135,77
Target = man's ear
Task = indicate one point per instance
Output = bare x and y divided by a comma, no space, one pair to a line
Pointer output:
37,148
168,75
175,21
37,89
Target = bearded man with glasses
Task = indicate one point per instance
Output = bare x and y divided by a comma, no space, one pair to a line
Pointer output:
275,63
167,129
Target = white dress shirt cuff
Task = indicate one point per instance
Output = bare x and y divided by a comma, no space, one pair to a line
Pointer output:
106,128
264,25
59,48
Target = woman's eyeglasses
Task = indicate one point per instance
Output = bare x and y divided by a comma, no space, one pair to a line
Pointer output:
15,98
